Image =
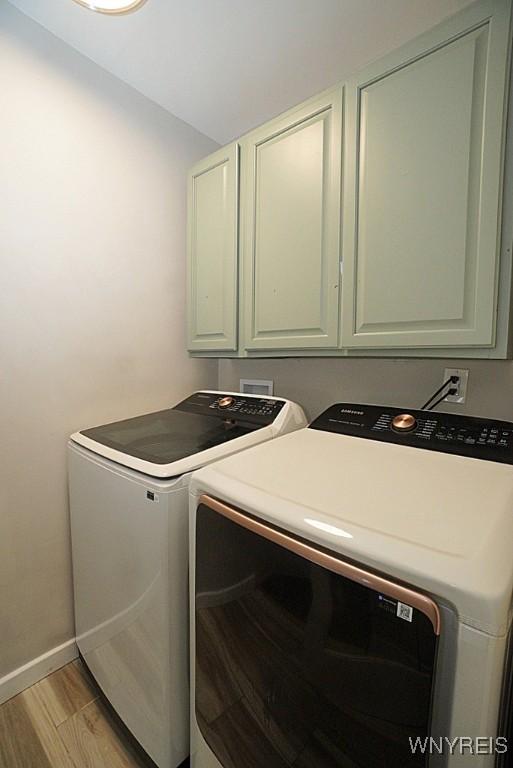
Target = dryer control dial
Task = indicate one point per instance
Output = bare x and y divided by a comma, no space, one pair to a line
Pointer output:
404,422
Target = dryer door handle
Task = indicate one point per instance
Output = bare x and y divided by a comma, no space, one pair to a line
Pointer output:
373,581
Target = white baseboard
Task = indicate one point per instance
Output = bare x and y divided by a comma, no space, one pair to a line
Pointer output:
23,677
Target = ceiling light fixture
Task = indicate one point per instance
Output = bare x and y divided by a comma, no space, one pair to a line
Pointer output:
111,6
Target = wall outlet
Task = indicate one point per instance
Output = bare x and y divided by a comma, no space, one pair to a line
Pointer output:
461,385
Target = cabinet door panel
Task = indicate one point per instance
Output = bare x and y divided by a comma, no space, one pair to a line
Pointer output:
422,203
291,198
212,252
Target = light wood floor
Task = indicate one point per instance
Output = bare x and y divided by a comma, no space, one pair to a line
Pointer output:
61,722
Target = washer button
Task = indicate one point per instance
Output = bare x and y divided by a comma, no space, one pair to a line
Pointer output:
225,402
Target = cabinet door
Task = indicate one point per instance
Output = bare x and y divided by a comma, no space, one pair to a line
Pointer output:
212,252
290,201
423,174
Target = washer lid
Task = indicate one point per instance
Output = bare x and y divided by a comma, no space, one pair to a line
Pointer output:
200,422
203,428
166,436
440,522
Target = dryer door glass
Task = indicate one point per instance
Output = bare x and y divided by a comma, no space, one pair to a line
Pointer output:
299,666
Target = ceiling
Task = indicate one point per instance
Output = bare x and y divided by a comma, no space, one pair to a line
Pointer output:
225,66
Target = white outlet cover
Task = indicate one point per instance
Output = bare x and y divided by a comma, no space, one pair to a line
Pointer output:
462,384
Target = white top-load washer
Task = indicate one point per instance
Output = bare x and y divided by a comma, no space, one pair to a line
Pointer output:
351,593
129,522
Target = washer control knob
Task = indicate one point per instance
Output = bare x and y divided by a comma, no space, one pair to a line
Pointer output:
225,402
404,422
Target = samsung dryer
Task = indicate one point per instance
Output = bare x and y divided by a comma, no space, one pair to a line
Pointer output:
351,592
128,486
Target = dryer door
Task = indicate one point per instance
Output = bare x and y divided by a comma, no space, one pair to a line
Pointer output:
302,659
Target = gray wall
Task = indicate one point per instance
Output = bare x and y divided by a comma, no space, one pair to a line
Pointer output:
318,382
92,323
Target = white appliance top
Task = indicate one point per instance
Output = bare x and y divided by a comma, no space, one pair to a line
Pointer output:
202,428
359,485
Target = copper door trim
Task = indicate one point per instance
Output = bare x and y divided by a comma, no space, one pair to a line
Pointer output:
414,599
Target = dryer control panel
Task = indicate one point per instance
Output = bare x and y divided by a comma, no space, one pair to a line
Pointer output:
446,432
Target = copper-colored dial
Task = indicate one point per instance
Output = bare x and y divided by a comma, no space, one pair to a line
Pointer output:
225,402
404,422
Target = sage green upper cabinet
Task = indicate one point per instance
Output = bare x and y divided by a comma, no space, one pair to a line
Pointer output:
290,215
212,280
422,190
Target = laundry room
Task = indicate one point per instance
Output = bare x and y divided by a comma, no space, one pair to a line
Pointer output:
257,383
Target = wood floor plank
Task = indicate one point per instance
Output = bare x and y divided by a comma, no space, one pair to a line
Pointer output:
20,746
60,723
66,691
45,730
93,740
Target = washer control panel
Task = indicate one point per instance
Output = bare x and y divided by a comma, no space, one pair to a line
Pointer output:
447,432
252,409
